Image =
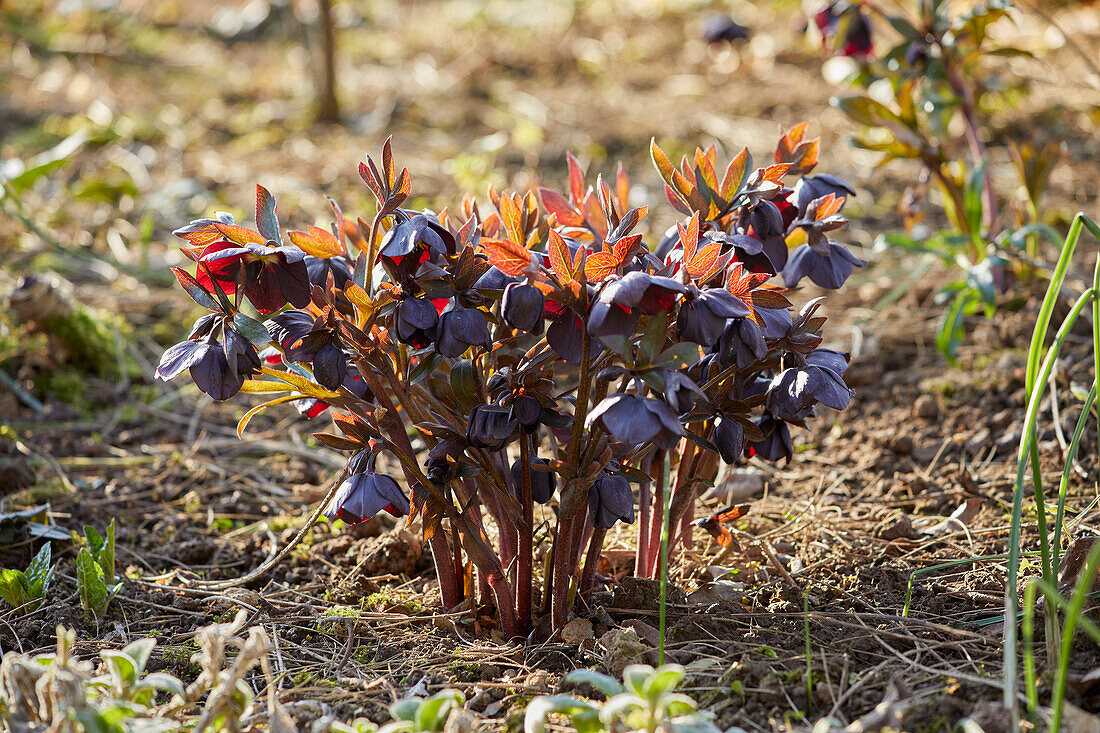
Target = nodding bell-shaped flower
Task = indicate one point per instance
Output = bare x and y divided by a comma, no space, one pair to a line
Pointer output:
411,242
742,342
543,483
416,322
729,437
810,188
827,265
794,392
364,493
611,500
273,276
320,267
776,443
489,426
622,302
704,313
219,368
321,348
636,420
459,329
721,28
522,307
527,411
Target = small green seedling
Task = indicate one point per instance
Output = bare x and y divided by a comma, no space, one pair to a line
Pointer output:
646,700
126,679
423,715
27,588
95,571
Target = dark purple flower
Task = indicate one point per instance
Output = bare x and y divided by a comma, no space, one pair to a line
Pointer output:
777,321
494,279
722,28
564,336
769,226
636,420
856,28
810,188
489,426
681,392
704,313
775,444
794,392
321,348
364,493
610,500
729,437
527,411
543,483
622,302
286,328
747,250
416,322
827,265
459,329
522,307
411,242
218,368
742,342
353,382
320,267
273,275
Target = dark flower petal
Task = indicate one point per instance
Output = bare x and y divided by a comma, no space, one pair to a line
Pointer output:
609,319
729,437
522,307
362,495
543,483
829,359
794,392
179,357
318,269
776,443
459,329
330,366
416,322
286,328
742,343
489,426
610,499
564,336
811,188
634,420
213,376
527,411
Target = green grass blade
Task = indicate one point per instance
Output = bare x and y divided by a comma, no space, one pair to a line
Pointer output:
1073,617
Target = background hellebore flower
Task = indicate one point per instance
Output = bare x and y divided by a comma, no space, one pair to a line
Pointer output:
364,493
635,420
609,500
564,336
704,313
721,28
776,443
411,242
416,322
489,426
459,329
543,483
522,307
843,16
623,301
729,437
742,342
274,275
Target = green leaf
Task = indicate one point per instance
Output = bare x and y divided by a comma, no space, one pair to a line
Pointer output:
679,356
534,721
90,584
39,571
123,668
140,652
653,340
406,709
433,713
635,677
13,588
665,679
464,383
972,200
609,686
951,332
251,329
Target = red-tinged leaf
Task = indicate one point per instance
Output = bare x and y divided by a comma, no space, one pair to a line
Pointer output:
200,238
678,202
491,226
558,205
735,175
337,442
594,215
705,170
341,228
712,154
775,173
689,236
577,268
507,256
387,162
560,257
403,185
772,299
239,235
196,292
510,215
607,203
622,187
664,165
830,204
353,427
687,172
367,174
599,266
494,196
741,283
266,220
789,140
576,179
626,247
701,265
631,219
317,242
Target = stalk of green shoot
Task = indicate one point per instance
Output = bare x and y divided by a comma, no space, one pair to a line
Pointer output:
664,558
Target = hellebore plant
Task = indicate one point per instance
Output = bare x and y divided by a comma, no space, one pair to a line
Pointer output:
934,76
533,351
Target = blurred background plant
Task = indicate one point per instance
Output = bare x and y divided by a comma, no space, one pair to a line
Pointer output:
931,95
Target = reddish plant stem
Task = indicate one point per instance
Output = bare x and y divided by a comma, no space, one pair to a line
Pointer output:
526,538
656,520
642,553
595,547
460,568
559,589
503,594
441,556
